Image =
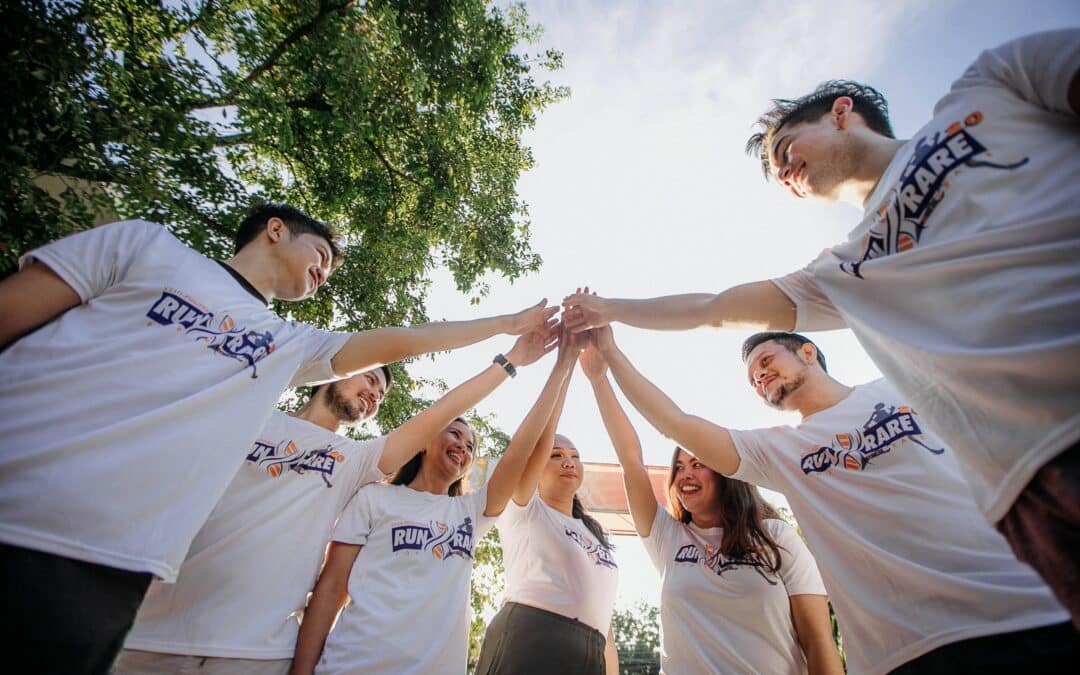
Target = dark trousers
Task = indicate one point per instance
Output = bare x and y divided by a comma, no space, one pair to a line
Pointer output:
524,640
64,616
1043,527
1050,649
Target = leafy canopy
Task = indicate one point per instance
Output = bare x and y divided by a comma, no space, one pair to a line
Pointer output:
398,120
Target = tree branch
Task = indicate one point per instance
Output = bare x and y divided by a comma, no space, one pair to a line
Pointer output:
325,9
390,170
234,139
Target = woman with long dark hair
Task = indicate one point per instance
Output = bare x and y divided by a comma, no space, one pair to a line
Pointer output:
560,575
740,591
403,551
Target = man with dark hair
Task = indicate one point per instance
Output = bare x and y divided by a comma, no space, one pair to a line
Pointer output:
135,370
236,605
961,281
918,580
295,220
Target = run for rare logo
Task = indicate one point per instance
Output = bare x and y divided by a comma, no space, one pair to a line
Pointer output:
900,218
444,541
277,458
712,559
594,550
887,426
219,334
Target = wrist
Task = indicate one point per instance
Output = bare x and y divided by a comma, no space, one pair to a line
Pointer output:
508,324
506,364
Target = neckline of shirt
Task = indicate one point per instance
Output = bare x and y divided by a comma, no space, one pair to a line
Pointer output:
244,283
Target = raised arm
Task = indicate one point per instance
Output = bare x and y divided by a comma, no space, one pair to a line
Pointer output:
330,594
813,629
31,297
508,471
402,443
639,491
372,348
757,305
541,453
711,443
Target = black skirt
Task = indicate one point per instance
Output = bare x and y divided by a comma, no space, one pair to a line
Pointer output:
522,640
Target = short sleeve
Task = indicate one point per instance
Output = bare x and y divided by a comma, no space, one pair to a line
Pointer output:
358,518
1037,68
798,569
755,466
513,515
93,260
320,346
477,504
813,309
366,455
661,537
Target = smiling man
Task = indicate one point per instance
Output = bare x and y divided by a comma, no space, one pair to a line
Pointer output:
961,281
135,371
919,581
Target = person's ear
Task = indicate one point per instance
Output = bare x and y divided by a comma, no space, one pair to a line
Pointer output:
276,229
841,111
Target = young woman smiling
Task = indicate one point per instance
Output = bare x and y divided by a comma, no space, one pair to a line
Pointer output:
740,591
410,584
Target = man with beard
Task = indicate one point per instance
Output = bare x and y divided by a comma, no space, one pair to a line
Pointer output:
918,580
236,605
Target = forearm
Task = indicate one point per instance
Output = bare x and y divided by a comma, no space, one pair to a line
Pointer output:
758,304
639,493
823,659
671,312
534,466
370,348
402,443
508,471
318,619
813,629
611,655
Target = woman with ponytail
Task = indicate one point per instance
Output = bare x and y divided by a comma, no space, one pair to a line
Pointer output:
560,575
740,591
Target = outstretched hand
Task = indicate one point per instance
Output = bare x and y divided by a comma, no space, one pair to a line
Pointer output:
532,318
570,345
593,363
603,338
532,346
583,311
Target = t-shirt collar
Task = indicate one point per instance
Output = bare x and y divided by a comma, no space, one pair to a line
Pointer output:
244,282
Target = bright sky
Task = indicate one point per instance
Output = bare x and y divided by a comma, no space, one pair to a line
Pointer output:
641,187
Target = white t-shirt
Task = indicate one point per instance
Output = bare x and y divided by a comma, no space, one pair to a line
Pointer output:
722,615
962,281
909,562
126,417
246,579
410,584
553,562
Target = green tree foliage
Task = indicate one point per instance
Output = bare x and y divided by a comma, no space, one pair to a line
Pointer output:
637,638
398,120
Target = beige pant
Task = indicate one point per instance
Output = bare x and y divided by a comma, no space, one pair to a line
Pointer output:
134,662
